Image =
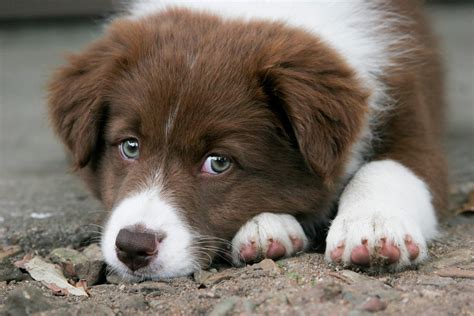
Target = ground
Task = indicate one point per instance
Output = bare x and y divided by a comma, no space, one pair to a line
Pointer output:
43,207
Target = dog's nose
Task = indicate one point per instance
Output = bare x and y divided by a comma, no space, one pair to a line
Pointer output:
136,249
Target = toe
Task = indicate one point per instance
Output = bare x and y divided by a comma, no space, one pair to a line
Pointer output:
336,253
297,243
389,251
360,254
413,250
248,252
275,249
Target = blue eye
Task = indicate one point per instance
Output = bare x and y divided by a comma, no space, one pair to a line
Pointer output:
216,164
129,149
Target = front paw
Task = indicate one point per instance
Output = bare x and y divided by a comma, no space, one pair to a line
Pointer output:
268,235
375,240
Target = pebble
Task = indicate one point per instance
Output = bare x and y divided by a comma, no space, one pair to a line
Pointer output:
454,272
87,265
268,265
207,279
74,264
93,253
374,304
224,307
201,275
9,251
9,273
26,301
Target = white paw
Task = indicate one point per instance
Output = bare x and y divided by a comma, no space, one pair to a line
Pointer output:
375,239
268,235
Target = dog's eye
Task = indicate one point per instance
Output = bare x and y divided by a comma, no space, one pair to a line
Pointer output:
215,164
129,149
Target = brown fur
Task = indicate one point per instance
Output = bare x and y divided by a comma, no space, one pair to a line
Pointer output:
284,106
411,133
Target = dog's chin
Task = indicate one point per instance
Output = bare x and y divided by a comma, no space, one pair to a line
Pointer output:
147,274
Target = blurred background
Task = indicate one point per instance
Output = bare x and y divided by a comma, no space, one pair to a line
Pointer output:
35,184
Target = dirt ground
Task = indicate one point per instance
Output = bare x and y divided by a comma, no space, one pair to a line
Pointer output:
300,285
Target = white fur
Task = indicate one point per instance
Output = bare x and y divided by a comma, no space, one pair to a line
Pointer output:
148,208
266,226
383,199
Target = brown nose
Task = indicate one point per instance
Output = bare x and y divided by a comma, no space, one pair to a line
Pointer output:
136,249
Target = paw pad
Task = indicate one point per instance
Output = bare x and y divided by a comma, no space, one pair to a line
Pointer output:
268,236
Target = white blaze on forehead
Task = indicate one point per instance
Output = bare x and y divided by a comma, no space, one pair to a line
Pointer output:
150,209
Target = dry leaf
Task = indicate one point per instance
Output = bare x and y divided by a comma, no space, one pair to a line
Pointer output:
50,276
21,263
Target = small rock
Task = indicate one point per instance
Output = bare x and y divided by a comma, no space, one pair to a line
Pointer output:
374,304
8,272
93,253
224,307
208,279
454,272
155,304
26,301
268,265
136,302
97,265
74,264
8,251
87,265
201,275
354,277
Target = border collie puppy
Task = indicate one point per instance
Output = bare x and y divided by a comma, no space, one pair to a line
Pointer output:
254,128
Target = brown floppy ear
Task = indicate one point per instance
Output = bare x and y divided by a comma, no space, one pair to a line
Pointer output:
76,102
324,103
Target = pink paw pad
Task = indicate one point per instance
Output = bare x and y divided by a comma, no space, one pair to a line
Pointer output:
248,252
412,248
336,254
360,255
297,243
275,249
389,251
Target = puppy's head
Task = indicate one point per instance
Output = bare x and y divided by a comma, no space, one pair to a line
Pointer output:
186,126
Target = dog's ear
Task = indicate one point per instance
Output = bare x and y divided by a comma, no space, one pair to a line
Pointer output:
321,99
76,102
